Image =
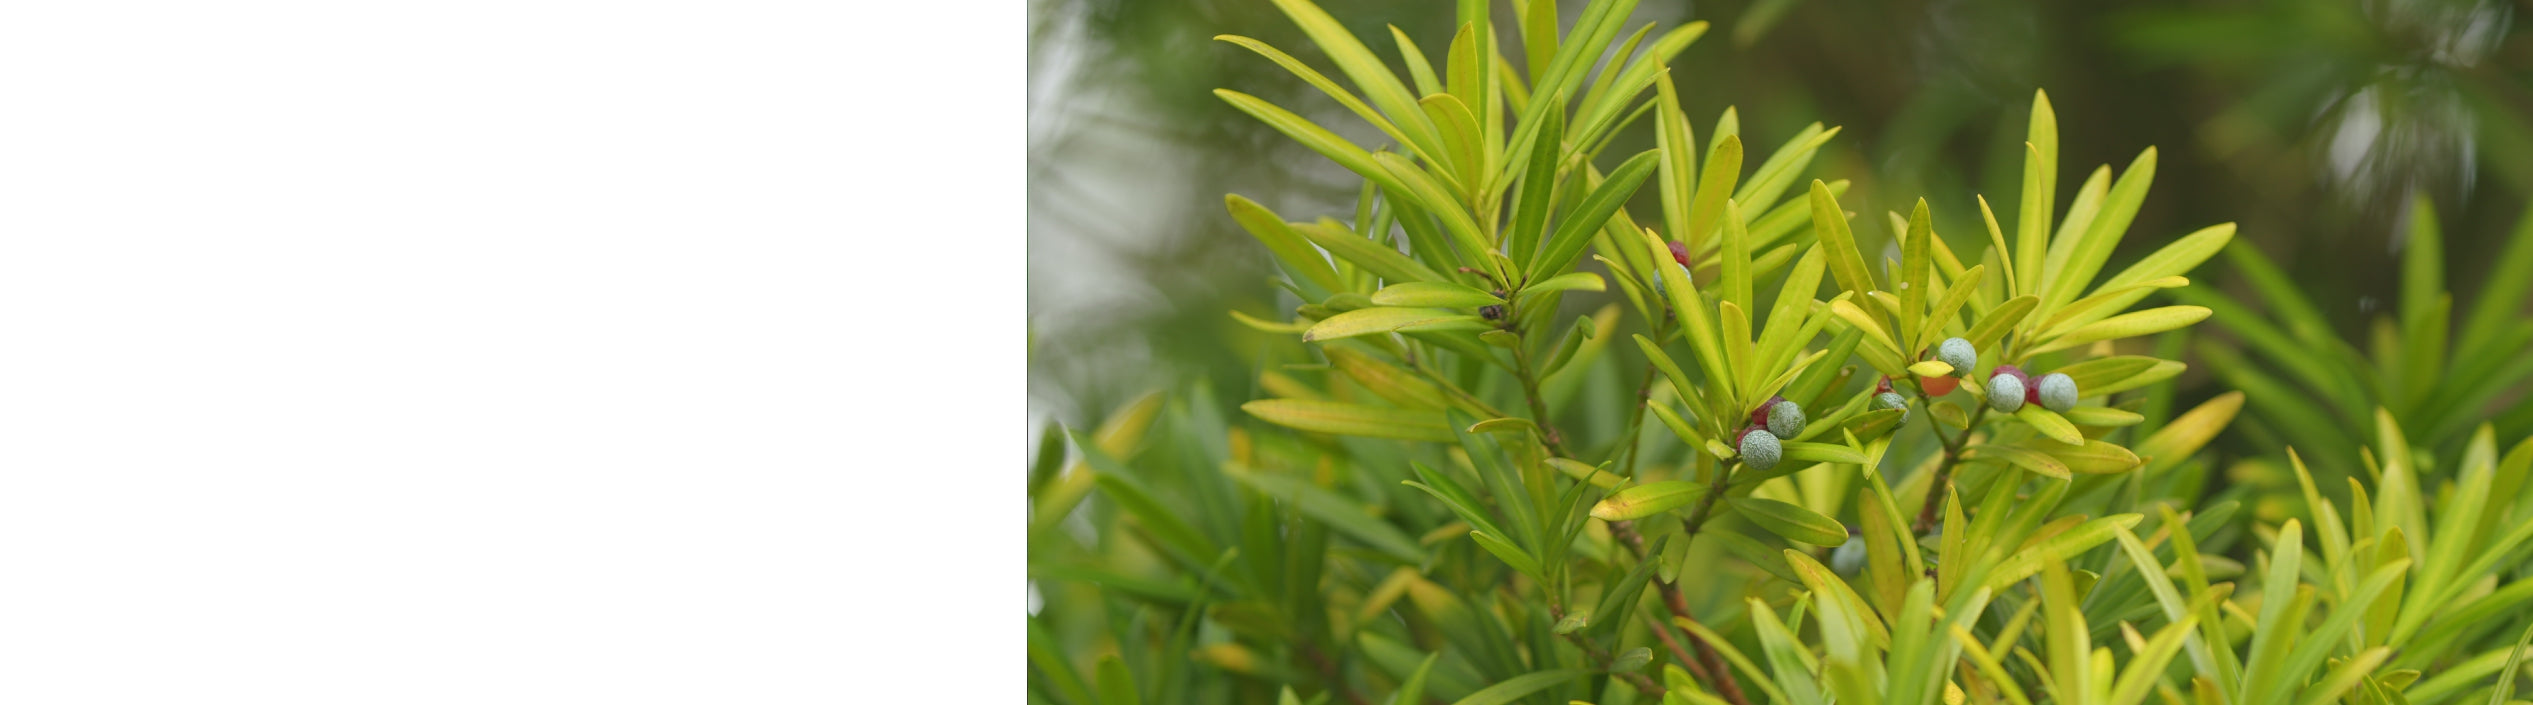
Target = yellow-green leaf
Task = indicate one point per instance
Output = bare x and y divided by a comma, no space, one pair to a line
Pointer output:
2028,459
2050,424
1461,136
1570,281
1993,327
2093,457
1802,452
1373,257
1793,522
1647,500
1320,81
2022,564
1365,69
2072,265
1352,419
1317,138
1364,321
1723,168
1603,202
1846,263
1917,267
1289,247
2187,433
2040,193
1389,381
1945,308
1577,470
1679,427
2102,417
1267,325
2094,374
2102,304
1433,294
1856,316
2128,325
1507,424
1691,309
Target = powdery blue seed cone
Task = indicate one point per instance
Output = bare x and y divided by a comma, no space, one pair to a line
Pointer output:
2005,393
1958,353
2058,392
1760,450
1785,419
1892,400
1849,559
1684,274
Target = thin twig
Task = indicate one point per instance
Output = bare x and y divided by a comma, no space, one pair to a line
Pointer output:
1707,667
1677,651
1538,405
1644,397
1935,490
1603,659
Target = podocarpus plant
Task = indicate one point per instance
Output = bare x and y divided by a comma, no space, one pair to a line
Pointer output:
2435,361
1460,503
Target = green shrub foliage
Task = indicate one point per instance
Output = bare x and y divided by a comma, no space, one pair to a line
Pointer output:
1769,469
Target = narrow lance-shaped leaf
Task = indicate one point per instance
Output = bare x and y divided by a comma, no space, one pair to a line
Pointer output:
1352,419
1916,272
1538,187
1437,198
1692,312
1790,521
1379,259
1438,294
1647,500
2188,432
2128,325
1829,223
1364,321
1464,141
2040,193
1317,138
1365,69
1337,511
1723,169
1678,144
1604,201
1288,246
2059,548
2070,275
1735,278
1781,168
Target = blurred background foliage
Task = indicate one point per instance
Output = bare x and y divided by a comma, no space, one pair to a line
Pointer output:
2315,124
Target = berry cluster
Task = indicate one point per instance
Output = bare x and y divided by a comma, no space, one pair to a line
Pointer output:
1773,421
2009,387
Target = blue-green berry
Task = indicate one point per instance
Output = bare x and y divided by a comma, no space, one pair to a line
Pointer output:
1785,419
1849,559
1759,449
2005,393
2058,392
1892,400
1958,353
